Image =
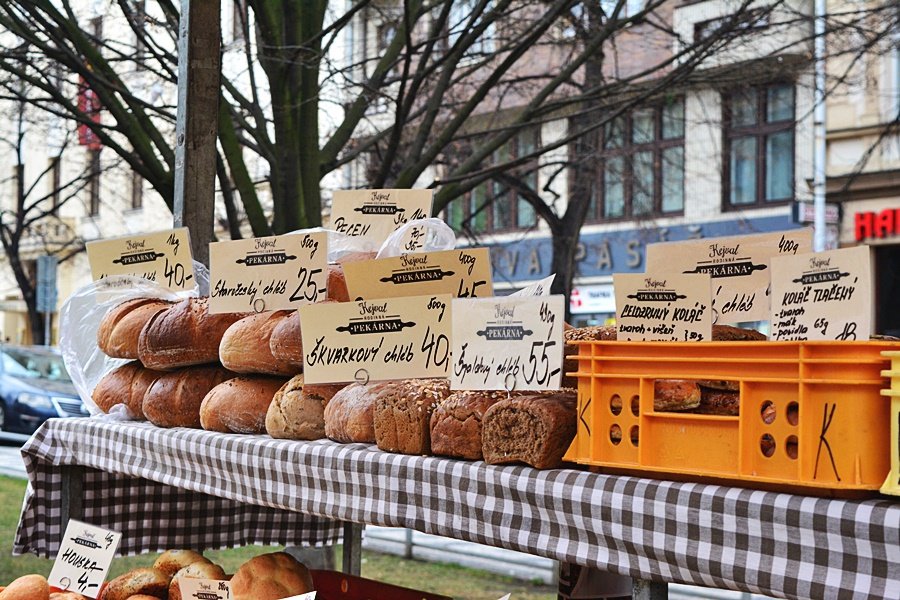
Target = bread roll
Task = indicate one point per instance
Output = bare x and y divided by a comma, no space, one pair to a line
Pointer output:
186,334
172,561
197,570
271,577
239,405
77,596
350,414
727,333
285,343
120,328
245,346
125,385
403,415
533,429
675,395
174,399
456,423
720,402
27,587
297,411
150,582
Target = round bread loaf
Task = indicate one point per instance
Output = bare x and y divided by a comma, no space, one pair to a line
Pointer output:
297,411
172,561
245,346
150,582
199,570
186,334
27,587
125,385
270,577
285,343
120,328
350,414
73,596
174,399
239,405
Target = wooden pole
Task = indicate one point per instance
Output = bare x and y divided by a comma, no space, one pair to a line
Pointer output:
199,73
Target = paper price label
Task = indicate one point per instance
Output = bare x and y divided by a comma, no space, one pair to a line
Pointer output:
375,214
822,296
163,257
460,273
653,307
84,558
390,338
737,265
540,288
204,589
508,343
270,273
306,596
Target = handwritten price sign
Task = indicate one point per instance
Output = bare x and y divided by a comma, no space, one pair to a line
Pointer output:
374,214
271,273
390,338
84,558
204,589
663,307
163,257
508,343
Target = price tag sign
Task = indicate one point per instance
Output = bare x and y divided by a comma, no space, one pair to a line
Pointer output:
540,288
270,273
84,558
306,596
508,343
738,266
822,296
204,589
163,257
666,307
390,338
460,273
375,214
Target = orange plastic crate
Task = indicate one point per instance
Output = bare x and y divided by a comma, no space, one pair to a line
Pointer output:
892,483
830,433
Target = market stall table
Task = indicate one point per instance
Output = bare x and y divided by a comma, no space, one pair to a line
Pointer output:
180,487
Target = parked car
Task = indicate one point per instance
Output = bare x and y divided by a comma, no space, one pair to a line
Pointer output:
34,386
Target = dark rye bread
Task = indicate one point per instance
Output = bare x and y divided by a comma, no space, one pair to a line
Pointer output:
350,414
403,415
533,429
456,423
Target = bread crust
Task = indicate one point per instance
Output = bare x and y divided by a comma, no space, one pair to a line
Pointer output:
27,587
202,570
403,415
297,411
285,343
675,395
245,346
456,423
151,582
120,328
126,385
239,405
270,577
174,399
533,429
350,414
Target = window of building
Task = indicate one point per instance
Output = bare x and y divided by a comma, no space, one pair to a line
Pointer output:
459,25
495,206
641,164
55,171
759,146
94,183
137,190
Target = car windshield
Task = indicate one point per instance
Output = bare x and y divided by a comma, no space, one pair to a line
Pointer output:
33,365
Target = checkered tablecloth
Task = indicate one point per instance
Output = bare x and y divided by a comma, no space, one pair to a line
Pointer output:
776,544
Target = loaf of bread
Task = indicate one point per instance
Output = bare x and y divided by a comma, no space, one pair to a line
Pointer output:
172,561
245,346
719,402
239,405
284,342
350,414
675,395
403,415
77,596
151,582
456,423
174,399
271,577
120,328
197,570
27,587
185,334
728,333
336,282
297,411
535,429
125,385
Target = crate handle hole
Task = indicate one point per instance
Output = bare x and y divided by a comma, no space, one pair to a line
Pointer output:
635,435
636,405
615,405
793,413
615,435
767,445
767,412
791,446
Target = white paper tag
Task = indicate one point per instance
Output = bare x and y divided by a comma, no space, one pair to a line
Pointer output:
822,296
506,597
663,307
204,589
84,558
306,596
541,288
163,257
507,343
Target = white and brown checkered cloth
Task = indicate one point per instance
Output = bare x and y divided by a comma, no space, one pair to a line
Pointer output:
202,489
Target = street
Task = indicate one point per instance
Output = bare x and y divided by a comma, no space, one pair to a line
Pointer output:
10,458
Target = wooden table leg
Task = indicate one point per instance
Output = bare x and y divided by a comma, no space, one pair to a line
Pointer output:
352,548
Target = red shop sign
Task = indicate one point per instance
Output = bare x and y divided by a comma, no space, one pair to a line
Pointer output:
877,225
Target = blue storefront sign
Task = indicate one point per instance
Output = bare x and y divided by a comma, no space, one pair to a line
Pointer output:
602,254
